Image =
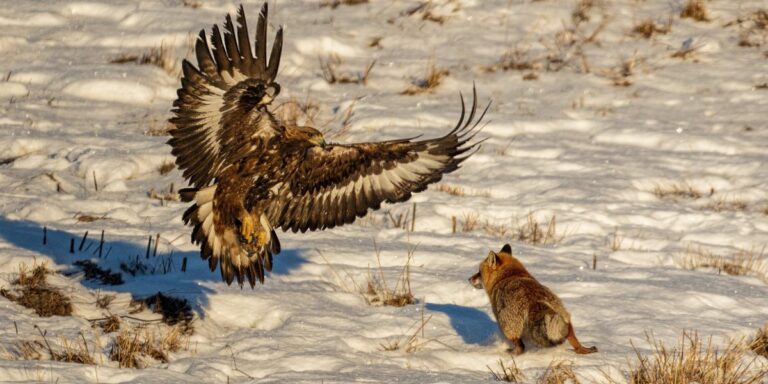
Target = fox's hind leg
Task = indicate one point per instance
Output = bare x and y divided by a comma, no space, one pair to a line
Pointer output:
519,347
580,349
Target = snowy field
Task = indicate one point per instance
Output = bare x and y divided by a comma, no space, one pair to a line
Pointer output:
639,156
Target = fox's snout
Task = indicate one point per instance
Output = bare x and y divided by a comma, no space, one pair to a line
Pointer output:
476,281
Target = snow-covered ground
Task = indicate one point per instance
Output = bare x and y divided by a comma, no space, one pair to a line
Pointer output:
609,118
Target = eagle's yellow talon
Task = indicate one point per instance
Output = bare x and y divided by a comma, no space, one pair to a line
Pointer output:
262,238
246,228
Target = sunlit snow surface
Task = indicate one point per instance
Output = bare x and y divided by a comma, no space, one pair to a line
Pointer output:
570,144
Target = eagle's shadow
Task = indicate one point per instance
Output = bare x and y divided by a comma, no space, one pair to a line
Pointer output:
161,272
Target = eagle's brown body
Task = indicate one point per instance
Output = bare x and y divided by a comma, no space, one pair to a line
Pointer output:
252,173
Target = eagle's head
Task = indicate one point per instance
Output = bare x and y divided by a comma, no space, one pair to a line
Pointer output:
257,93
304,133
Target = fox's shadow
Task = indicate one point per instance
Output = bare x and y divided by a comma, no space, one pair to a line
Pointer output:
474,326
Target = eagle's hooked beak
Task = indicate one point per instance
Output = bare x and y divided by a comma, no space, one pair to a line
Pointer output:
318,140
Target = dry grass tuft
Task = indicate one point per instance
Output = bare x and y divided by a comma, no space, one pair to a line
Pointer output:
163,57
753,28
648,28
677,191
140,347
410,342
194,4
158,127
110,324
693,361
83,218
558,372
534,233
432,79
166,167
164,197
470,222
333,4
724,204
92,271
66,350
333,76
695,9
616,240
31,290
103,301
378,292
741,263
580,13
457,190
508,373
759,344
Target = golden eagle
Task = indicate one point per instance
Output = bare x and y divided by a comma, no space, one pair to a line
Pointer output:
251,173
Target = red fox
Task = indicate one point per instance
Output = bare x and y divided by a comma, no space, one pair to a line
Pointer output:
523,307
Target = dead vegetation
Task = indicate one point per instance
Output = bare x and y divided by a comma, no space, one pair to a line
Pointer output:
430,11
164,196
678,191
433,78
332,75
457,190
158,127
62,349
32,290
166,167
648,28
694,361
411,341
530,230
759,344
378,292
140,347
743,262
507,373
536,234
162,57
621,74
110,324
559,372
696,10
333,4
84,218
753,28
726,204
92,271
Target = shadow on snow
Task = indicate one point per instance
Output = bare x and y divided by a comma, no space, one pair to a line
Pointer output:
163,271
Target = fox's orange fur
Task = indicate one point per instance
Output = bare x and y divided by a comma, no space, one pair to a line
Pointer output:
522,306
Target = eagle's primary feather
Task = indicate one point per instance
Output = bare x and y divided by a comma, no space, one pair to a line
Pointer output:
251,173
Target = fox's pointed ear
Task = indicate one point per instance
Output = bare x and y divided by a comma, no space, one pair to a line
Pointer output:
493,259
506,249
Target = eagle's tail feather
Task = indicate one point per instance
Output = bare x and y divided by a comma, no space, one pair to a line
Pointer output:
224,250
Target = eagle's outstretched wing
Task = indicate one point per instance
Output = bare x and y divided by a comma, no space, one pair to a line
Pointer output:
335,184
202,133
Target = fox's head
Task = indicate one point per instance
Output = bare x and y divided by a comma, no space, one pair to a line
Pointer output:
495,266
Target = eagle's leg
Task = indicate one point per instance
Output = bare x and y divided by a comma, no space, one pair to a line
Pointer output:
250,227
247,226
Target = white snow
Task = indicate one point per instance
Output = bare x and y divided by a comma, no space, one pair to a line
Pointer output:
568,144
